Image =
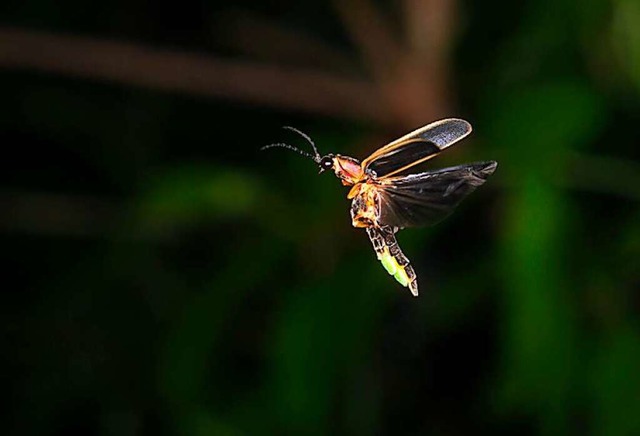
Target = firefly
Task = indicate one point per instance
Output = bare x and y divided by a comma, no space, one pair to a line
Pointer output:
384,199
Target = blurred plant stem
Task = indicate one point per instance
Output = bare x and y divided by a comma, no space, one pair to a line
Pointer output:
137,65
92,216
409,82
626,33
58,214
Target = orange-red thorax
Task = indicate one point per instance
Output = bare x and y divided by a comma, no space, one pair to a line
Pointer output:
348,170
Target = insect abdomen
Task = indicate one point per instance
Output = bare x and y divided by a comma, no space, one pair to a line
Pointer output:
392,258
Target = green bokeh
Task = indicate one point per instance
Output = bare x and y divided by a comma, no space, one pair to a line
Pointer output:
164,276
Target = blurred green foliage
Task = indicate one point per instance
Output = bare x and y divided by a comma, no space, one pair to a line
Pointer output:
211,289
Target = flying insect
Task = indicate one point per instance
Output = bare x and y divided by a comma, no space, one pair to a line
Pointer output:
385,200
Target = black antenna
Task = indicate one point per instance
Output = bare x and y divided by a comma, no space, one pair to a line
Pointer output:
316,158
305,136
290,147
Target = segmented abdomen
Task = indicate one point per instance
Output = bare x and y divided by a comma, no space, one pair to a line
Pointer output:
392,258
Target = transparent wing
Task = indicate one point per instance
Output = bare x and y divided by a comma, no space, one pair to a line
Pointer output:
416,147
427,198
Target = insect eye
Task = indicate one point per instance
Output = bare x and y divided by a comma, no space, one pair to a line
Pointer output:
326,162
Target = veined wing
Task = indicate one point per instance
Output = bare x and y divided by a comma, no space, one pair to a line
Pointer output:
416,147
427,198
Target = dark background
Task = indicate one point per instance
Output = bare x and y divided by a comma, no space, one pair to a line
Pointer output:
164,277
